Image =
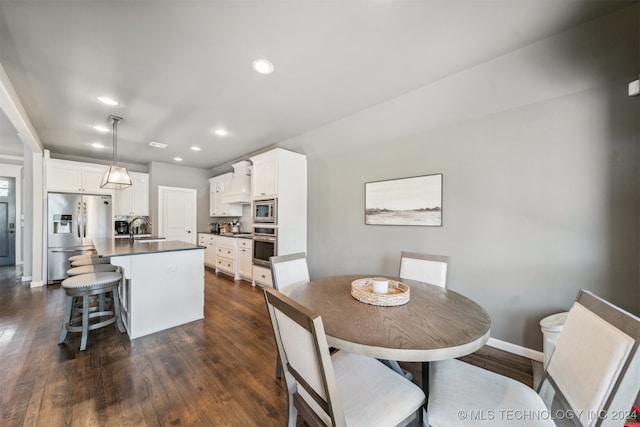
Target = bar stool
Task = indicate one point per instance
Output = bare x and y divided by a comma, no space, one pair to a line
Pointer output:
75,257
89,260
79,312
91,268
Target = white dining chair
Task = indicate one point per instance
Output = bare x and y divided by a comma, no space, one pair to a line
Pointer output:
424,268
592,378
343,389
288,272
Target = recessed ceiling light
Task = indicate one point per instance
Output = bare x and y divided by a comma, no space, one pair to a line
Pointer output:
97,145
262,66
194,148
221,132
101,128
155,144
107,100
177,159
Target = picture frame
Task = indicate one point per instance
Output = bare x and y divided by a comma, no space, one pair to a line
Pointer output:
405,201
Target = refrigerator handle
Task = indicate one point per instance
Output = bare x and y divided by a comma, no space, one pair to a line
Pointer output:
78,218
84,220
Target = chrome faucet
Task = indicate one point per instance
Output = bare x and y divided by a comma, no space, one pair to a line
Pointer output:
131,225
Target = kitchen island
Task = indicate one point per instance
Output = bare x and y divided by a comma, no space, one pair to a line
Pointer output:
163,282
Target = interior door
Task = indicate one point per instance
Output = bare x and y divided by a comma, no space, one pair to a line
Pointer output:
7,221
177,213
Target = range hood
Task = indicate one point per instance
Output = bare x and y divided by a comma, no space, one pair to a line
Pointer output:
238,190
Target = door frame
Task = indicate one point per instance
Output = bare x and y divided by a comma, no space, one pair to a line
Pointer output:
15,171
194,192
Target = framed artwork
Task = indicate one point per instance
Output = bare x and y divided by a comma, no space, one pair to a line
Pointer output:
404,201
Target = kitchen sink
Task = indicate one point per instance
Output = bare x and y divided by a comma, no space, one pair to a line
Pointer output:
149,239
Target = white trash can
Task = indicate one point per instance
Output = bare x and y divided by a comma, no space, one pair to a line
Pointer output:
551,328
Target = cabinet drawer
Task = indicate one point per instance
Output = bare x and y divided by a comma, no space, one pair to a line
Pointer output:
245,243
224,251
225,265
262,276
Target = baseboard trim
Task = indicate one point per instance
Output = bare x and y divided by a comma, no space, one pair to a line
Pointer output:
37,284
516,349
26,278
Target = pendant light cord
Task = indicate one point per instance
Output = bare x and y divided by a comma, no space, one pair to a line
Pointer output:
115,120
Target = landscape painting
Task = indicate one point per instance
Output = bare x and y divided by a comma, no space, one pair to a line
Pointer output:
404,201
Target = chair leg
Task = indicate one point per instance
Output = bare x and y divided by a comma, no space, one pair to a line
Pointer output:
67,319
393,364
85,322
116,310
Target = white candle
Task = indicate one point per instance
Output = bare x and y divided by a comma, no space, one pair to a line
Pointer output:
380,285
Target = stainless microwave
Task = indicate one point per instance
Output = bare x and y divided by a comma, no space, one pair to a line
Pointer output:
265,211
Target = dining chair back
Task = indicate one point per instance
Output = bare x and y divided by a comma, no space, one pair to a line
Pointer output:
424,268
289,271
343,389
592,378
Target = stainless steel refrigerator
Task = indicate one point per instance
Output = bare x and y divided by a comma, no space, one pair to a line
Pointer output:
73,220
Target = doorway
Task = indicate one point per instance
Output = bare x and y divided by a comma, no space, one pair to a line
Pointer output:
177,213
7,221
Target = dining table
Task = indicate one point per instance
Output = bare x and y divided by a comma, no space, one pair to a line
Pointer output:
435,324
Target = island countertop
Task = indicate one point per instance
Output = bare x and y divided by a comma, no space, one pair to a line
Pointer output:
111,247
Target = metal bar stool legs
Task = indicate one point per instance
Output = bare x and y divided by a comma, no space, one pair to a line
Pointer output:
80,311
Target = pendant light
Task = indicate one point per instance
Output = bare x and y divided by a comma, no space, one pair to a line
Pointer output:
116,176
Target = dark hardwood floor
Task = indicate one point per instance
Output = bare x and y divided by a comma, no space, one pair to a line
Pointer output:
215,372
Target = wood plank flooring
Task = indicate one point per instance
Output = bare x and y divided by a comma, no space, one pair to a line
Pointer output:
214,372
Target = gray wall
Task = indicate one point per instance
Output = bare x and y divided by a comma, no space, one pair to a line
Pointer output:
164,174
539,151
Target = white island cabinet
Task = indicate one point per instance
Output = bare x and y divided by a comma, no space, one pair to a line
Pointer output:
163,284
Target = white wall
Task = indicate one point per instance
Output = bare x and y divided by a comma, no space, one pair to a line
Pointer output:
539,151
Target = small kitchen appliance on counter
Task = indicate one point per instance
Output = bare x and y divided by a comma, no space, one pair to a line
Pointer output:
224,227
215,228
122,227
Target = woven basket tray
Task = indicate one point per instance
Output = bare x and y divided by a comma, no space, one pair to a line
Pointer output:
362,290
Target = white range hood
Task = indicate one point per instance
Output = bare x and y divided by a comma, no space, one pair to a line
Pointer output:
238,190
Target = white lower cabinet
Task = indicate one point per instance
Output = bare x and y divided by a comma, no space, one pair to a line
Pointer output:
226,256
209,242
262,276
234,256
245,258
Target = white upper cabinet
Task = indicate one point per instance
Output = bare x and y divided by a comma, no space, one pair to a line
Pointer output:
217,207
74,177
265,175
134,200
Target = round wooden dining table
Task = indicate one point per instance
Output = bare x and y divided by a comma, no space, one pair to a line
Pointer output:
435,324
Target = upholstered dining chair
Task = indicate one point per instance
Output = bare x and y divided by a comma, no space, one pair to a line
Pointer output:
343,389
288,272
592,378
424,268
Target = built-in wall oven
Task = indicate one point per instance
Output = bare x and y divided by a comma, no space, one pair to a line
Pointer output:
265,211
265,244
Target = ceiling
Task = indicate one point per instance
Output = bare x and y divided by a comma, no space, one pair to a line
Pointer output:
181,69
